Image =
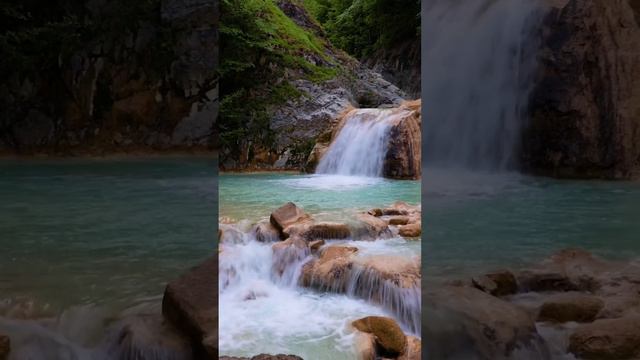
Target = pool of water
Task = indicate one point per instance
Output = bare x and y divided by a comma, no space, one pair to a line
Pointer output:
280,316
481,221
90,238
255,196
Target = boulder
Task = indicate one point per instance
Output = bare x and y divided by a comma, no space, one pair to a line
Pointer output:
327,231
375,212
605,339
189,304
5,347
404,150
287,215
365,344
505,281
571,306
372,227
497,283
478,323
331,270
585,104
398,220
388,335
411,230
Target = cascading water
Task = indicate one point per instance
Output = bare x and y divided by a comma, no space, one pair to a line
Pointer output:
480,57
360,147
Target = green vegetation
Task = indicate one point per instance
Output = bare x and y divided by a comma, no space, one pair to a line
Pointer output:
36,35
361,27
261,48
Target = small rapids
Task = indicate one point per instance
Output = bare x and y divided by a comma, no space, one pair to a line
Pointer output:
264,308
361,144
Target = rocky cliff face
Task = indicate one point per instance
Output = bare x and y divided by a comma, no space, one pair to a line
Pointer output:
148,87
314,106
399,65
585,119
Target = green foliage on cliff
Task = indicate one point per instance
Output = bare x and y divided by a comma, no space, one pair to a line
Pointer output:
261,50
362,27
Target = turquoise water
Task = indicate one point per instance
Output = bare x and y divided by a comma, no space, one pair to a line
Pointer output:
105,233
475,221
283,317
255,196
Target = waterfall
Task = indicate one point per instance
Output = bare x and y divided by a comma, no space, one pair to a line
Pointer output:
360,146
479,59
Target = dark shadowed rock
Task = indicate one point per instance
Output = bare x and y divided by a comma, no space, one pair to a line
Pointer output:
505,281
190,304
5,347
607,339
585,119
413,350
266,232
571,306
388,335
484,325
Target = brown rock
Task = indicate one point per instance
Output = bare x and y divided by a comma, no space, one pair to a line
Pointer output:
287,215
189,305
288,252
375,212
540,281
605,339
5,347
491,327
399,220
585,120
414,349
365,345
570,306
388,334
485,284
404,150
327,231
374,227
505,281
392,211
316,245
411,230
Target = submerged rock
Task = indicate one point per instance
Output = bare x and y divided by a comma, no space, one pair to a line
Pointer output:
190,304
388,335
614,339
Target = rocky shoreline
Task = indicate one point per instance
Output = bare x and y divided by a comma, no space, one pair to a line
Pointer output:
572,303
